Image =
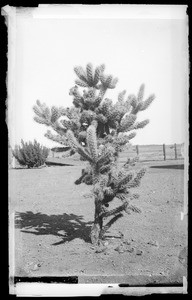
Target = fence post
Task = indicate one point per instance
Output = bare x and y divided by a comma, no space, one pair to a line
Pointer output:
175,151
164,152
137,149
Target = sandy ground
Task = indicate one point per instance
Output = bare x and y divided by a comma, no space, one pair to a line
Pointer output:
53,219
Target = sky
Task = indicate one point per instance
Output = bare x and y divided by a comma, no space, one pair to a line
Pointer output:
150,50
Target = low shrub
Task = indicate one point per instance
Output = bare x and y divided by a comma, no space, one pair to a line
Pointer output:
30,154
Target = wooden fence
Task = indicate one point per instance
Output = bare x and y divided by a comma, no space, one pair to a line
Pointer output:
145,152
154,152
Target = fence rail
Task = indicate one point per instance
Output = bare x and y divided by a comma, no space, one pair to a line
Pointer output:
154,152
144,152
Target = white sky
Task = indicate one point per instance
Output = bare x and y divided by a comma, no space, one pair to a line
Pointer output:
151,51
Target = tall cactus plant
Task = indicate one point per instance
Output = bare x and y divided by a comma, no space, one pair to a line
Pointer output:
98,129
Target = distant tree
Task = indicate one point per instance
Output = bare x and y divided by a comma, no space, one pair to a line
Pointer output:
30,154
99,130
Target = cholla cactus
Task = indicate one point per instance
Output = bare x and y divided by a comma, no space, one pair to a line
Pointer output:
98,129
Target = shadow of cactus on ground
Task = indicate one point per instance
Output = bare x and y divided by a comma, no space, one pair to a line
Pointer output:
66,226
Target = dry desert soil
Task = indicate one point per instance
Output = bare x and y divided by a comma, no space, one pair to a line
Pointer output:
51,217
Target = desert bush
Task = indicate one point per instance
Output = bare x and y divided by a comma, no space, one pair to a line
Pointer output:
30,154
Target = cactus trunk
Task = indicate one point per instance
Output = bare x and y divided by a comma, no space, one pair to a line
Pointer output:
96,230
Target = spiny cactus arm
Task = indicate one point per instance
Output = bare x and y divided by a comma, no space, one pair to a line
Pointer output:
92,142
85,155
139,125
137,103
80,73
127,178
131,135
77,147
132,100
126,195
137,109
72,140
41,120
97,74
122,140
131,162
89,69
105,168
42,112
127,105
37,110
127,122
113,83
124,207
55,114
44,115
106,81
111,222
136,181
102,68
81,83
57,138
102,92
115,211
147,102
104,158
141,93
121,96
58,127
